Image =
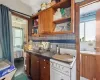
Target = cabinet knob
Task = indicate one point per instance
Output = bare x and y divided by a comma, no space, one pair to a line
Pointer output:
44,67
37,61
44,59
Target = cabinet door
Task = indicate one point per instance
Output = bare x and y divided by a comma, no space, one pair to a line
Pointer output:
34,67
41,22
46,21
49,26
44,69
27,63
72,15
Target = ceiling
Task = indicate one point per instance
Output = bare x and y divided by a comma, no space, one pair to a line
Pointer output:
35,4
90,8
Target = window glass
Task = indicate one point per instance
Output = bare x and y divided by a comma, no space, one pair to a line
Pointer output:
18,33
17,37
81,30
90,31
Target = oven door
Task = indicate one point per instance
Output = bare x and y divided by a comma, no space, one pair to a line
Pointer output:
56,75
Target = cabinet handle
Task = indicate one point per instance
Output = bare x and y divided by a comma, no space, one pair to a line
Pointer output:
62,79
37,61
44,59
44,67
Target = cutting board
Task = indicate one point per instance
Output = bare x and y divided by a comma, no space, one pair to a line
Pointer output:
63,57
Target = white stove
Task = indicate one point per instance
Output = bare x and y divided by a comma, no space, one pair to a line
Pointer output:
60,70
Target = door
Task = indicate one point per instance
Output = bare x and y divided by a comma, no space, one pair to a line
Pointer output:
34,67
56,75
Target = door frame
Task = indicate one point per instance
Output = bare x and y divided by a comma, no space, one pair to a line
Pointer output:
77,22
24,17
87,2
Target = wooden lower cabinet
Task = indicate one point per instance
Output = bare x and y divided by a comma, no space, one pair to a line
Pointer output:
40,68
27,63
44,69
35,71
88,66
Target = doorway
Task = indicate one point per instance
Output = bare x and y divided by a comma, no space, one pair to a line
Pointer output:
20,37
88,40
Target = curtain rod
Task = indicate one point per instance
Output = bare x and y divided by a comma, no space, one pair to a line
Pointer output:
16,11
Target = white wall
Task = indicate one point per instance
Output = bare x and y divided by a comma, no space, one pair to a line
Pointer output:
85,46
17,5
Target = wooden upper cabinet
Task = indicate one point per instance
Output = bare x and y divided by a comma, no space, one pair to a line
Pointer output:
48,25
45,21
72,15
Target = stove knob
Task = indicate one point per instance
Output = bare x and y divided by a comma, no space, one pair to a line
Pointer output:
62,67
58,66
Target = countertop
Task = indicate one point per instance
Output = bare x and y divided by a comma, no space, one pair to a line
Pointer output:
46,55
89,53
43,54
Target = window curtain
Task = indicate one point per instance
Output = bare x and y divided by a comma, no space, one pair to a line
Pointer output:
6,33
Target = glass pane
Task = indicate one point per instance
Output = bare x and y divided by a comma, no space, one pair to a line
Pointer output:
90,31
81,30
18,42
18,32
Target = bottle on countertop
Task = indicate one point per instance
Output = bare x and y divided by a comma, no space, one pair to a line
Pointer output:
58,49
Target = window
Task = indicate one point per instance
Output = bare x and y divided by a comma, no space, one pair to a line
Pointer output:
88,31
18,37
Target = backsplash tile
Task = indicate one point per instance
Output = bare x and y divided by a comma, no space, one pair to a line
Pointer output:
63,40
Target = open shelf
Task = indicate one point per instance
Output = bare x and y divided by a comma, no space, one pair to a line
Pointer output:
62,20
35,35
62,32
62,4
35,26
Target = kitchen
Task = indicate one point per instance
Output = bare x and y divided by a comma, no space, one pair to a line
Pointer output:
51,46
52,52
